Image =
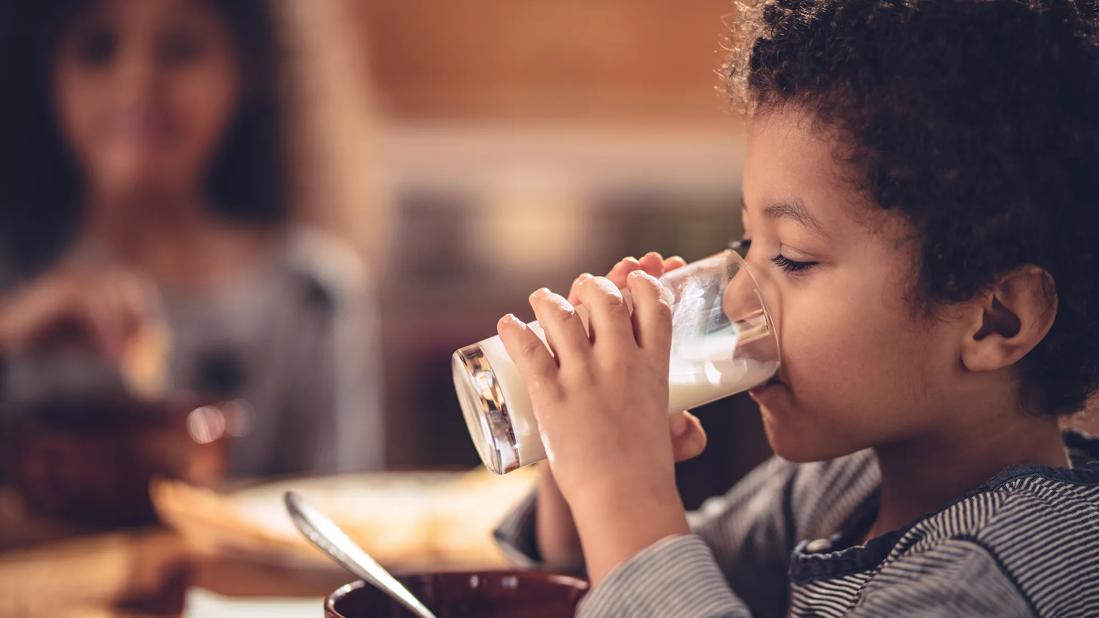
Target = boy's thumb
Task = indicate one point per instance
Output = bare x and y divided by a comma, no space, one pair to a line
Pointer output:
688,436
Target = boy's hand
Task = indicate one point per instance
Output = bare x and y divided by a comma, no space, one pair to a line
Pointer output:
601,404
688,436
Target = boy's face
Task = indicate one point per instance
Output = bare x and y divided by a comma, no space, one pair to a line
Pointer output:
859,366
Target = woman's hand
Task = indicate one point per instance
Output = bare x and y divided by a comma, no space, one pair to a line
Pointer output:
601,403
100,306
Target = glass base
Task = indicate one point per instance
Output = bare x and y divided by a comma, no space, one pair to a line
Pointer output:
485,410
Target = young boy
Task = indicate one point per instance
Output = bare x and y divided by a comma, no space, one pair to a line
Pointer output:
919,190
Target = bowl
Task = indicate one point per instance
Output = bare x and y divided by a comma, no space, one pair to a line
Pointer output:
485,594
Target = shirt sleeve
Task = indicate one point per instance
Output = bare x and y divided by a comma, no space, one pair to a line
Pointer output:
344,396
676,576
339,399
516,534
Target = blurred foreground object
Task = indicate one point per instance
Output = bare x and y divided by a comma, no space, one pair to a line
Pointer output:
407,520
89,462
116,574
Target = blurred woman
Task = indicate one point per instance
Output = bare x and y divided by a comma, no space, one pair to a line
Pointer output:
145,180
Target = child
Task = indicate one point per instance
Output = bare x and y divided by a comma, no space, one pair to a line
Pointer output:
919,191
143,142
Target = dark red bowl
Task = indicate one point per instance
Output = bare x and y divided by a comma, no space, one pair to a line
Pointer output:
485,594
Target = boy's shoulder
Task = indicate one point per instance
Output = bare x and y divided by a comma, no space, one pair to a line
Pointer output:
1039,525
1039,502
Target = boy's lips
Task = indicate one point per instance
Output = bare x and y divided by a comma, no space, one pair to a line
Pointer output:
766,386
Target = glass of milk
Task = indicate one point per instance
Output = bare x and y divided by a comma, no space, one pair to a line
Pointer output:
723,342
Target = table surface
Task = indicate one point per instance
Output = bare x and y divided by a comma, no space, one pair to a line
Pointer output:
47,568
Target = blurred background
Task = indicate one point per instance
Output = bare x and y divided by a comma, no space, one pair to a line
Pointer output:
242,239
522,145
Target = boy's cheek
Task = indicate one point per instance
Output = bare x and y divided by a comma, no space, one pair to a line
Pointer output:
844,382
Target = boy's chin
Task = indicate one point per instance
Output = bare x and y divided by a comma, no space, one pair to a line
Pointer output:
801,444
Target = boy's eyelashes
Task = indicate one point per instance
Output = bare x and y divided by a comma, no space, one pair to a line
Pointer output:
786,264
791,266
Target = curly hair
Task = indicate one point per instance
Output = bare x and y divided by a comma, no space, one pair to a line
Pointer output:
976,119
40,209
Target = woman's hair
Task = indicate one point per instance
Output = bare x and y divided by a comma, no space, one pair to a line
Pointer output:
40,205
977,119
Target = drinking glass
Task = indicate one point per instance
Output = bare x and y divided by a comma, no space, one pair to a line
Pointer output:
724,342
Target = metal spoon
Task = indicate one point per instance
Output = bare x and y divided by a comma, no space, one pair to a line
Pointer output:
329,538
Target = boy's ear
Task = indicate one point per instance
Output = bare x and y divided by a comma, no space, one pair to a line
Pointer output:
1010,319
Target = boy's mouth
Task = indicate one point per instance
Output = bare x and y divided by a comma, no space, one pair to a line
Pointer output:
774,381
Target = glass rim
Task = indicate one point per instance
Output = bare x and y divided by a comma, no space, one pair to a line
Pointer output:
742,264
495,439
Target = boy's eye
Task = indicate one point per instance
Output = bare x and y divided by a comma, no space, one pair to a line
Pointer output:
791,266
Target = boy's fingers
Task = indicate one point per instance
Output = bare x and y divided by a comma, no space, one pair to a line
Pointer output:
564,330
573,299
527,351
608,315
673,263
652,263
652,313
625,266
688,437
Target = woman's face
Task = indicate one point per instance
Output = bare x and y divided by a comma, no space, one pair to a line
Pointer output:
859,367
144,91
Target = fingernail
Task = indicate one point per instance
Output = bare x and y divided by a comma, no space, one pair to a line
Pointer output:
584,277
539,292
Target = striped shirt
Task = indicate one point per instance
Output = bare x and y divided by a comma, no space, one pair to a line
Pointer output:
784,541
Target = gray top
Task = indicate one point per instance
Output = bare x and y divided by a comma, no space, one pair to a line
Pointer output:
784,542
297,337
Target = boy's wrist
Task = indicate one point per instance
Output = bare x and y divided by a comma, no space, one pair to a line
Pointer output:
614,526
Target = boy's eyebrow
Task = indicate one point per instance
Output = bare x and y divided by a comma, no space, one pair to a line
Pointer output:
793,209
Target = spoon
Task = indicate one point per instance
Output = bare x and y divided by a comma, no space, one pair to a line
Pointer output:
329,538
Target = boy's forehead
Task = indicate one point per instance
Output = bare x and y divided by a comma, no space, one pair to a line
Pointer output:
794,166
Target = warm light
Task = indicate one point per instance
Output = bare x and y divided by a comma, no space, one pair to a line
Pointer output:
206,424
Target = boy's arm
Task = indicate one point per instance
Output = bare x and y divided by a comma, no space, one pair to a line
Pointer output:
747,532
733,564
